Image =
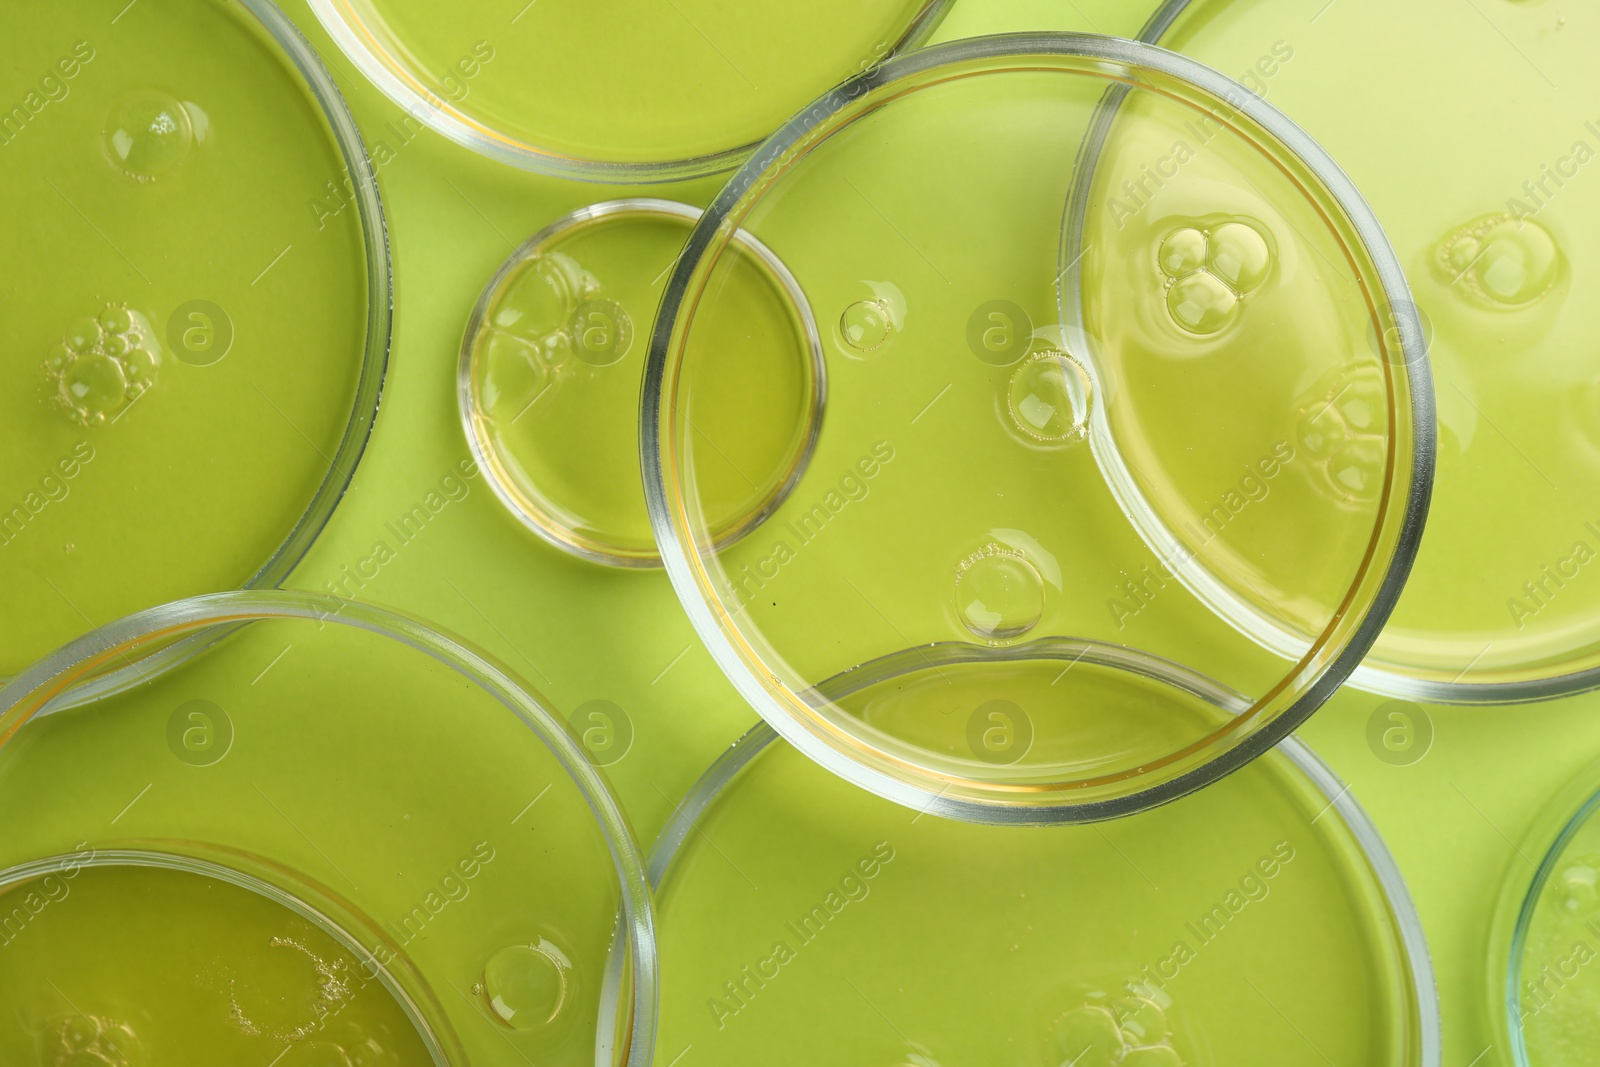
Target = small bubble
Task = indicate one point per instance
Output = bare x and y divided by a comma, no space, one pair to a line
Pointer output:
867,325
527,986
83,335
1183,252
1049,397
148,134
1578,888
999,594
95,382
602,332
1201,303
1238,254
1502,260
1091,1033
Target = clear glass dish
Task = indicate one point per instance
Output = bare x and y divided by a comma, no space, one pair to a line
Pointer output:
1263,919
966,496
1542,995
553,357
610,91
365,823
199,340
1482,195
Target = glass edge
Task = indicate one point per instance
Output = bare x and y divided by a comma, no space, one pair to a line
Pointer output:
636,915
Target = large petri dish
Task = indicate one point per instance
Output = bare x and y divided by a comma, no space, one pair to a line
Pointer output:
962,499
613,91
1543,995
329,835
553,358
1262,919
1482,192
199,338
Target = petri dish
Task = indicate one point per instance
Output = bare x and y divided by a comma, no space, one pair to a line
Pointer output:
200,338
962,499
330,835
612,92
552,363
1260,917
1481,194
1542,994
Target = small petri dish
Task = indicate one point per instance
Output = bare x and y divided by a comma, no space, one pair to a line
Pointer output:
553,360
1490,217
1261,918
200,338
963,499
610,91
1543,997
330,835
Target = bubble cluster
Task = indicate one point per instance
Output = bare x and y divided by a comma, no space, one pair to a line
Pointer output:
257,1009
1048,399
867,325
149,134
102,364
526,987
1342,431
1130,1030
999,595
1502,260
91,1041
1209,271
546,320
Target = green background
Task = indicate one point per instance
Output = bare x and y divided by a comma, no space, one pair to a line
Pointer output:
579,632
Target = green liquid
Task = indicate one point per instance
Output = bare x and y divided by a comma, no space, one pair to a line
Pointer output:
1226,928
170,157
556,370
619,81
225,976
1504,588
361,767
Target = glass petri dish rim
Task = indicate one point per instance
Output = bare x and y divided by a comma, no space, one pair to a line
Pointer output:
1389,680
442,1049
1413,940
39,690
830,745
380,302
1553,830
397,81
547,526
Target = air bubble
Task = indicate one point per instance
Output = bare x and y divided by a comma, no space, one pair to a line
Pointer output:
527,986
1342,432
92,1041
1502,260
867,325
1089,1035
1578,889
148,134
1201,303
1238,255
1048,398
999,594
1183,252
